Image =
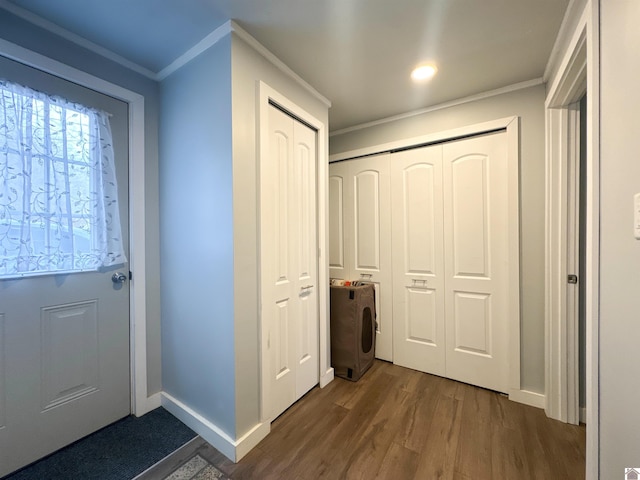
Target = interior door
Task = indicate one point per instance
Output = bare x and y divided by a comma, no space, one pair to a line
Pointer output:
418,259
289,260
64,338
476,260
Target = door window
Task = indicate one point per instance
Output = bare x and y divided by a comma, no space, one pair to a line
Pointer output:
58,191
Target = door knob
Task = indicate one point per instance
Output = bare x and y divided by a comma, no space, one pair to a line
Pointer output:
118,277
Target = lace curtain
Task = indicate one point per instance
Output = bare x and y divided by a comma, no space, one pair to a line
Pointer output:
58,191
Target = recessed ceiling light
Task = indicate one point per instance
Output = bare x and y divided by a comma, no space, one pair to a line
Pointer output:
424,72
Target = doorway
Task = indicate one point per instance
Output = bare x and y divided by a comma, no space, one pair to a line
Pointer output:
65,362
140,401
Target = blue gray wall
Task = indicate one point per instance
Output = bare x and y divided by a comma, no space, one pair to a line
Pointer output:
196,188
25,34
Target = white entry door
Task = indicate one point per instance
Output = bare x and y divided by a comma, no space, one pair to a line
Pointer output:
476,243
360,235
418,260
64,338
289,261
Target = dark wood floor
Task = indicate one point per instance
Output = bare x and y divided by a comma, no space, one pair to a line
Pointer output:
399,424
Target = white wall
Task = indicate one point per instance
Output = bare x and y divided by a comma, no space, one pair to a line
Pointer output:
619,251
528,104
248,68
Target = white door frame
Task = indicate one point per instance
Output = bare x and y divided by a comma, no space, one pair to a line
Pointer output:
140,402
325,375
561,248
578,72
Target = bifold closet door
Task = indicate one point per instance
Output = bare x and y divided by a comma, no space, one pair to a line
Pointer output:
476,220
360,234
450,259
418,259
289,296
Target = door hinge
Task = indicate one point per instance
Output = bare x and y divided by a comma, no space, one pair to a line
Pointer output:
130,275
573,278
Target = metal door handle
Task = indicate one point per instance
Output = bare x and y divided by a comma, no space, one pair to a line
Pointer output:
118,277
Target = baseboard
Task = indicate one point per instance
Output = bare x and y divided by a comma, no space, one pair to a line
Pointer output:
151,403
527,397
583,415
234,450
154,401
326,378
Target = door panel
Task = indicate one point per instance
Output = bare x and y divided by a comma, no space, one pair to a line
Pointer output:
307,279
469,190
280,294
366,192
418,265
64,338
339,262
367,220
289,261
476,260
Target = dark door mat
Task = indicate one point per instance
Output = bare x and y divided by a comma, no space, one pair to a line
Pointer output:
117,452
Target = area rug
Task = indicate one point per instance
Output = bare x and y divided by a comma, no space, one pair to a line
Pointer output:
190,462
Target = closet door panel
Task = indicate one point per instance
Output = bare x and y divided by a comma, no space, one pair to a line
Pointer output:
289,261
418,266
279,289
306,262
369,217
476,260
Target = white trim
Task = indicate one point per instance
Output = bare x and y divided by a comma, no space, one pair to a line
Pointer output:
140,404
203,45
276,62
561,252
527,397
232,449
472,98
72,37
592,274
325,373
326,378
465,131
568,27
514,282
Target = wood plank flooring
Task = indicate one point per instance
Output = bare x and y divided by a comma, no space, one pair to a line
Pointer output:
400,424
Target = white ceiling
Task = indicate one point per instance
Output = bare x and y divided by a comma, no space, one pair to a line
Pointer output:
357,53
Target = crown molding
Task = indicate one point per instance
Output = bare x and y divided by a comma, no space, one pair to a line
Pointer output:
199,48
279,64
74,38
472,98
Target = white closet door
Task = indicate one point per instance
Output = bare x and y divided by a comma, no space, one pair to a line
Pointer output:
369,215
339,253
418,260
306,264
289,260
476,260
